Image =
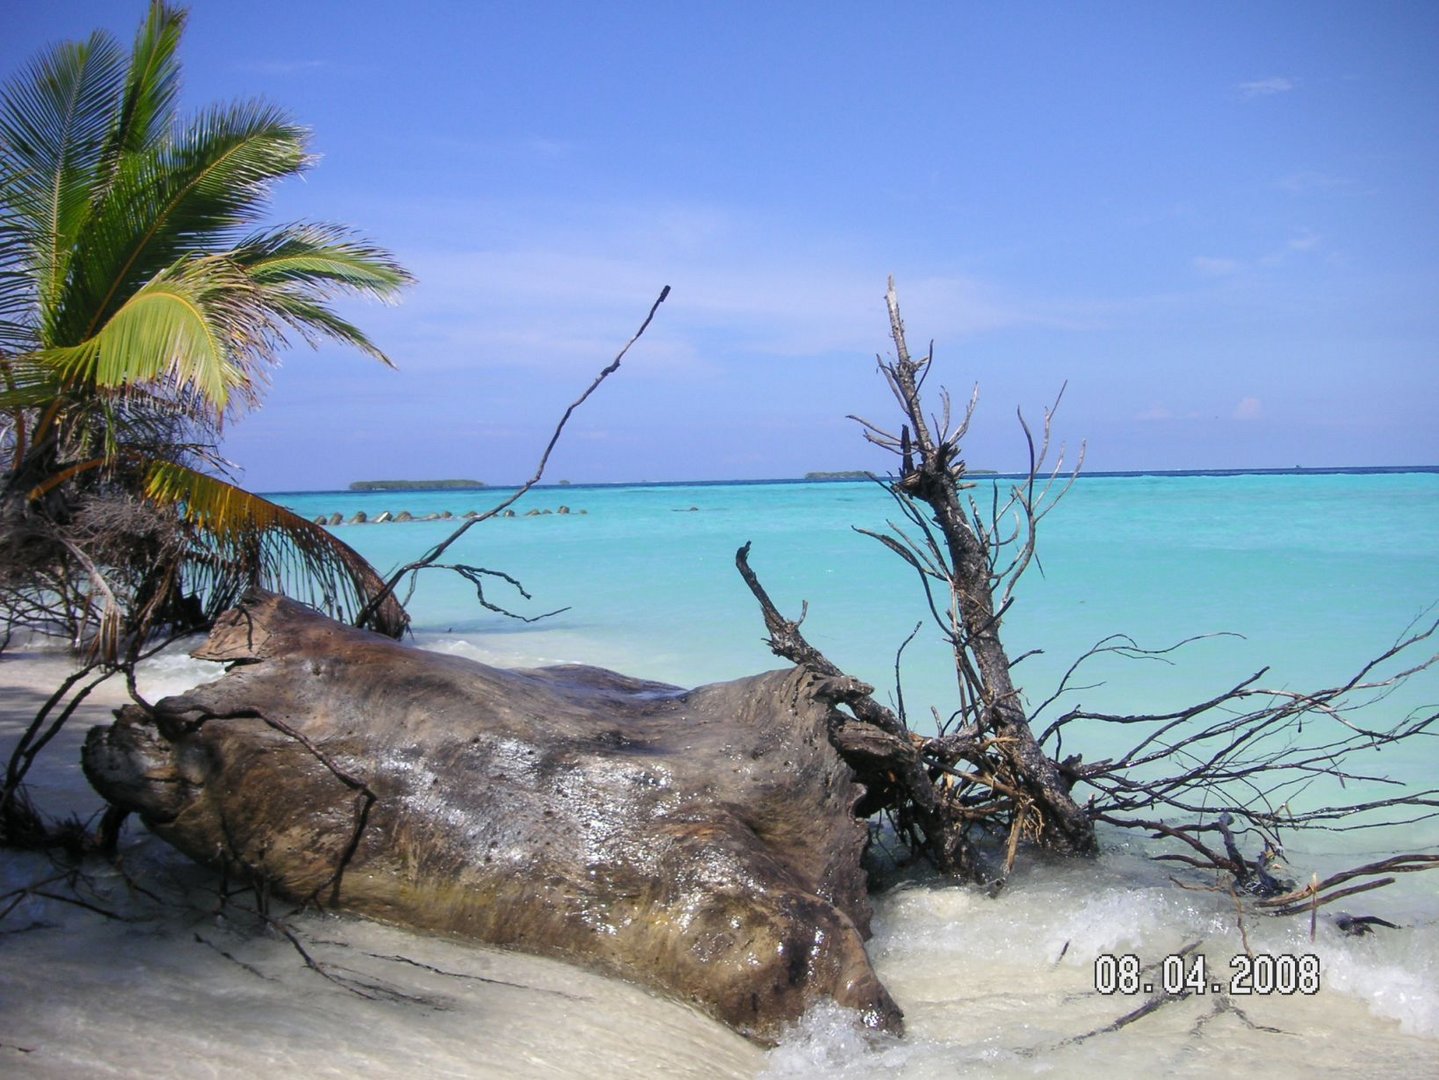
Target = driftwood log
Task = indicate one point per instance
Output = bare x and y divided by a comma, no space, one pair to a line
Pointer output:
700,842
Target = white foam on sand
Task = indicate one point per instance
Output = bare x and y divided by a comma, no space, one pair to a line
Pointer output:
993,987
155,976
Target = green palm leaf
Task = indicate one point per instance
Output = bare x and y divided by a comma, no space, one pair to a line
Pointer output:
27,384
54,119
328,258
148,106
139,306
250,542
192,194
197,326
299,266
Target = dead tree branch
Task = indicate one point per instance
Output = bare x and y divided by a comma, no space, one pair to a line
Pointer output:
988,775
1212,779
879,747
432,557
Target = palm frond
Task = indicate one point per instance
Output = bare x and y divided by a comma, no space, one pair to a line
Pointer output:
148,105
197,326
249,542
313,321
327,259
119,429
300,266
54,118
16,334
170,425
26,387
190,194
138,308
19,311
26,383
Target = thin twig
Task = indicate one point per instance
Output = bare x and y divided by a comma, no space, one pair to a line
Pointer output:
433,555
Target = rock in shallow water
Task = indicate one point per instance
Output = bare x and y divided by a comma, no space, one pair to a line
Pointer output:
701,842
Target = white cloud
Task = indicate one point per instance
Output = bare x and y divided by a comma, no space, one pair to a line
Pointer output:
1301,242
548,148
1275,84
1155,412
1211,266
557,299
1248,409
282,67
1305,181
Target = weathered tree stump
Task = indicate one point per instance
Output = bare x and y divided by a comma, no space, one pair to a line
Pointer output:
701,842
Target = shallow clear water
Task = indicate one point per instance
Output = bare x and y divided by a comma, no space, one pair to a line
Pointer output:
1308,576
1317,573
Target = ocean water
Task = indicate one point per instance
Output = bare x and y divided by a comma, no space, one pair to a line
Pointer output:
1305,575
1308,576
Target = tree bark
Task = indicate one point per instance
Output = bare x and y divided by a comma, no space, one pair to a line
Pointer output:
702,842
933,476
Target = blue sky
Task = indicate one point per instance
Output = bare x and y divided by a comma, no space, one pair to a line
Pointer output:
1219,223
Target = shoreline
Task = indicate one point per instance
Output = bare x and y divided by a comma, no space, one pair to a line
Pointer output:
248,1002
90,994
1110,474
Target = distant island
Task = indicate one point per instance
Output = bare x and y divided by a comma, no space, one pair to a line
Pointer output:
861,474
414,485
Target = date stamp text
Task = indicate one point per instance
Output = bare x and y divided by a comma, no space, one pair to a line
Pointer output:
1190,973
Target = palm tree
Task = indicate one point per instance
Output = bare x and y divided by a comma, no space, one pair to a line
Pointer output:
141,304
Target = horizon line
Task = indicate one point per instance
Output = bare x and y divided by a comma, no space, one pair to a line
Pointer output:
1295,470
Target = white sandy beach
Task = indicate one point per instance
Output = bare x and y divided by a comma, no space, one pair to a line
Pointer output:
85,995
183,986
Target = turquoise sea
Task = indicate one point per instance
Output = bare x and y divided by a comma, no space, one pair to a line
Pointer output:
1309,575
1306,574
